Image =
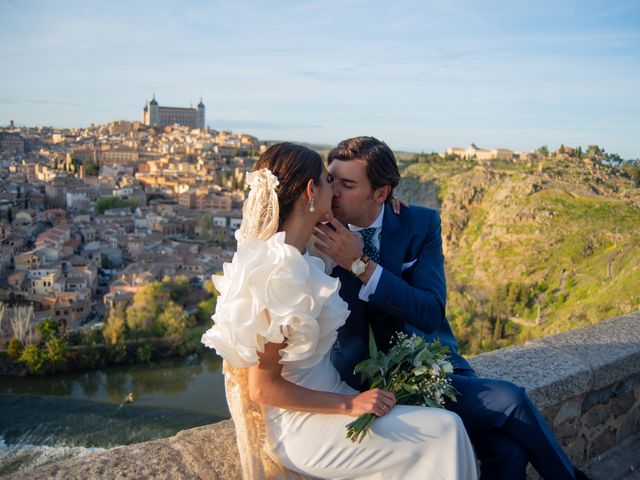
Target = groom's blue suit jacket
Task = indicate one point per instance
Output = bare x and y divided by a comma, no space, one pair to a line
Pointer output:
410,295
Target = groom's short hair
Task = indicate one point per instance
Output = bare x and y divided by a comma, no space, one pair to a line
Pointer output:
381,164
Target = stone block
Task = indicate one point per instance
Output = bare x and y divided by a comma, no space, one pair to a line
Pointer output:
594,398
626,385
567,430
630,424
620,405
567,411
602,442
551,411
549,375
620,463
576,450
598,415
611,348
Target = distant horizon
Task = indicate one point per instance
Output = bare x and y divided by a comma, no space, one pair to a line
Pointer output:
422,76
329,145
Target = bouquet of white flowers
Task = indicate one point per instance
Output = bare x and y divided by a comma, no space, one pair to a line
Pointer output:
416,371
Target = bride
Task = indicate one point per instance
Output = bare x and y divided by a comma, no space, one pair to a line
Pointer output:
276,320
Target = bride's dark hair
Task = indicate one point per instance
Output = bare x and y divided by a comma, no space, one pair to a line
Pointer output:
294,165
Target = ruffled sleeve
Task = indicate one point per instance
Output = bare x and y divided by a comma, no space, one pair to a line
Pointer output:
270,293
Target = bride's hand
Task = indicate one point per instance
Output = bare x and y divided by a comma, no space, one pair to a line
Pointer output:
374,401
396,203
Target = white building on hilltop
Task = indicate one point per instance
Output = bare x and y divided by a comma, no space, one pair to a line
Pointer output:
154,115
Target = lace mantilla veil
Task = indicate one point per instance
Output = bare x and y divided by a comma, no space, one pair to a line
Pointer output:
260,214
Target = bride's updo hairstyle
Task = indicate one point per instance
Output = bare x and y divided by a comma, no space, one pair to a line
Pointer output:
293,165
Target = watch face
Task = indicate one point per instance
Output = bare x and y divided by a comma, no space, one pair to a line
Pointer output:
358,267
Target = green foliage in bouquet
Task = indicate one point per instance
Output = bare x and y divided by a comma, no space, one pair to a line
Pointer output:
416,371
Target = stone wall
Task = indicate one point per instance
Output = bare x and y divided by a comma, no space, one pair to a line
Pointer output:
586,382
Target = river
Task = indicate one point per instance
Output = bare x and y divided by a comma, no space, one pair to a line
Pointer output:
44,419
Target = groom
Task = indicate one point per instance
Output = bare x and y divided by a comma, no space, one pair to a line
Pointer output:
391,269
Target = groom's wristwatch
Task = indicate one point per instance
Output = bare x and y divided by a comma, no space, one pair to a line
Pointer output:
359,265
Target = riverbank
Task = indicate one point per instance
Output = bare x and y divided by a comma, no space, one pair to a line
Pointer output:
50,418
91,352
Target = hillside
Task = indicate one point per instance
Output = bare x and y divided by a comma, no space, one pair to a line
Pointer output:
532,248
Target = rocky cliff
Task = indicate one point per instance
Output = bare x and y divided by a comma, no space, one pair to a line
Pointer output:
532,248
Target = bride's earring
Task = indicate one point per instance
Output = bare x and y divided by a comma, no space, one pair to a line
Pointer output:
312,205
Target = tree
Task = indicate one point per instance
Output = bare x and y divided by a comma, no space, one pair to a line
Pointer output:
148,302
57,350
115,328
34,358
178,286
210,288
90,168
144,353
543,151
3,317
106,203
594,152
48,328
174,321
21,322
206,308
497,330
634,171
205,225
615,159
426,157
14,350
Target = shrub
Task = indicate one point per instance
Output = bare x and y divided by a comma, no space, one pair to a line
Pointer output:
91,357
206,308
144,353
34,358
48,328
192,342
15,348
57,350
117,353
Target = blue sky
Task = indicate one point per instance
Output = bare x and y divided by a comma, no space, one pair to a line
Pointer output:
421,75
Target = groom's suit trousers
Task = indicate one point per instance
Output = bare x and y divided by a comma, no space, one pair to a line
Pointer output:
507,430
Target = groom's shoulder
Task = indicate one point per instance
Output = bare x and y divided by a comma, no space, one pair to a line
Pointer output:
417,215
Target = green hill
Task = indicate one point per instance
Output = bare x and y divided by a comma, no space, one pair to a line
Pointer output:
532,248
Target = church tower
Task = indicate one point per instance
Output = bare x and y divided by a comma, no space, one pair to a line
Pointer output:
151,113
201,123
154,112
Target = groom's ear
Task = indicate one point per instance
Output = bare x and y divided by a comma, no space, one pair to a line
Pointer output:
381,194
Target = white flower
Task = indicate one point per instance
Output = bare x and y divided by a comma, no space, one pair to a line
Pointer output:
262,176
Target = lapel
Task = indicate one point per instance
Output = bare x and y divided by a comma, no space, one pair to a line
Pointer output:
392,241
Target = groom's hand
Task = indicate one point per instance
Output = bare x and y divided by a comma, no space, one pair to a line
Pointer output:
342,245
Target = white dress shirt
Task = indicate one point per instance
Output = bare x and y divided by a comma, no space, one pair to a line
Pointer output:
369,288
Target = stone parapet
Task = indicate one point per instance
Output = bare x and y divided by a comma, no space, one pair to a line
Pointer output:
586,382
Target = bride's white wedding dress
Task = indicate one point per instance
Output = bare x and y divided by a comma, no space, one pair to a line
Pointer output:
304,309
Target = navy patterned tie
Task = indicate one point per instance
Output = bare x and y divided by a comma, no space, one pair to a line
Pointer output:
370,249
